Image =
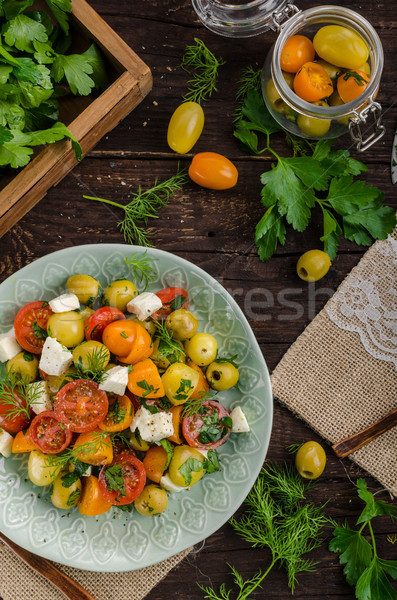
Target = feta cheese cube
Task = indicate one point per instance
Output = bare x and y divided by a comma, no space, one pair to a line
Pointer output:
39,395
239,420
9,346
170,486
115,381
152,427
55,358
5,443
64,303
144,305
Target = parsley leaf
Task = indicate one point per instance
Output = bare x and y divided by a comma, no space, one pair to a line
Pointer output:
191,465
115,480
356,552
21,32
373,507
70,478
169,450
76,70
211,463
60,10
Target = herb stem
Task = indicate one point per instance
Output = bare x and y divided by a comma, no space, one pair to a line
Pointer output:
372,538
105,201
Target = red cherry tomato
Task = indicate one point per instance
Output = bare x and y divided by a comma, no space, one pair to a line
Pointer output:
297,50
172,299
12,421
213,171
31,326
81,405
48,434
209,429
96,323
122,481
312,82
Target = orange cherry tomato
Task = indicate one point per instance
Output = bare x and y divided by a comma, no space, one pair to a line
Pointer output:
120,415
101,448
213,171
23,443
312,82
351,84
145,381
128,340
177,436
202,385
154,462
91,502
297,51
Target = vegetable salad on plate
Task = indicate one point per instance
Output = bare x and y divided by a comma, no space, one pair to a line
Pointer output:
113,394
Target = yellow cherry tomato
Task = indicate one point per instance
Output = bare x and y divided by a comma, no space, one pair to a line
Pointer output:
340,46
313,265
310,460
185,127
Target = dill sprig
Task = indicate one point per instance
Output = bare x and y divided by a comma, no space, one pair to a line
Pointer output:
71,455
200,59
293,448
250,79
142,268
167,345
17,394
144,206
194,406
276,519
95,369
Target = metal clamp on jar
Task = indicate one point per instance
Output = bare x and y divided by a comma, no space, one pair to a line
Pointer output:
361,117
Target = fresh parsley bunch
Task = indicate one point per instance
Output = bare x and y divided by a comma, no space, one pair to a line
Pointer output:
364,569
316,176
32,64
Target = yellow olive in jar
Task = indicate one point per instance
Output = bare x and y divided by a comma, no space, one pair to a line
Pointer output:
152,501
310,460
313,265
182,323
26,364
119,293
67,328
86,288
313,126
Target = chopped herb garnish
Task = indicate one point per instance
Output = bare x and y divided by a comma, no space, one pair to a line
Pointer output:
74,496
170,452
39,332
115,480
191,465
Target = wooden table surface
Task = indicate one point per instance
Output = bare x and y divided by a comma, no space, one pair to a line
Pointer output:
215,230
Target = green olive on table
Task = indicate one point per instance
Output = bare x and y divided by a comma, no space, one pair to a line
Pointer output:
119,293
25,364
313,265
182,323
85,287
152,501
202,349
222,375
310,460
67,328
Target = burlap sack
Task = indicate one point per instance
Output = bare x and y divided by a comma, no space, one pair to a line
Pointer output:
341,374
19,582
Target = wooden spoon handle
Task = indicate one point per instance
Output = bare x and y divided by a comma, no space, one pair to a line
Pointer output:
358,440
69,588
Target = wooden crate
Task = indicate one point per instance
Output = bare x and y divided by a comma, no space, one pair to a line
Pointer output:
91,118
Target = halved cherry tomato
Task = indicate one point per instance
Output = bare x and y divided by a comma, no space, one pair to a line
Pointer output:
12,420
128,340
154,462
91,502
172,299
298,50
96,323
48,434
351,84
209,429
213,171
125,480
81,405
312,82
185,127
120,415
144,380
31,326
22,443
100,448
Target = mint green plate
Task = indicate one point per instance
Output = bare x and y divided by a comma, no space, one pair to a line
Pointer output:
118,541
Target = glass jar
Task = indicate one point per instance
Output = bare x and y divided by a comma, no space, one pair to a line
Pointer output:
361,117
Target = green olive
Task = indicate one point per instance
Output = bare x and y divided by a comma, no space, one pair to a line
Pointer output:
86,288
182,323
39,470
186,476
85,312
138,443
91,355
162,359
148,324
119,293
65,497
26,364
313,126
202,349
152,501
67,328
179,382
310,460
222,375
275,100
56,381
313,265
